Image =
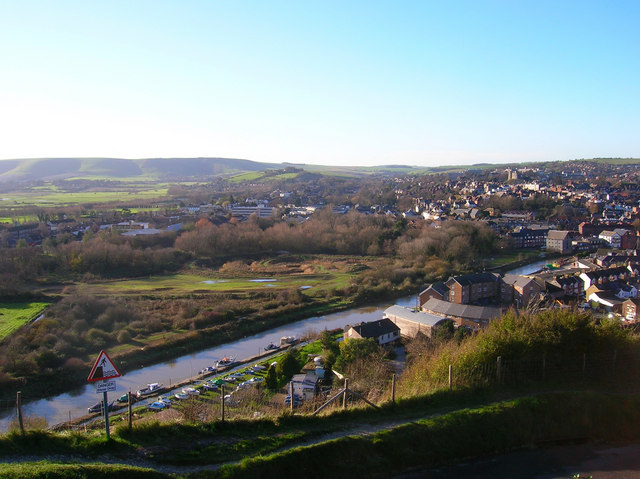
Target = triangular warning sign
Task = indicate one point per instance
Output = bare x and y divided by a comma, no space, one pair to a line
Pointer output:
103,369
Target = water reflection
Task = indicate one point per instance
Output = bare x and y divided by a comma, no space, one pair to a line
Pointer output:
75,403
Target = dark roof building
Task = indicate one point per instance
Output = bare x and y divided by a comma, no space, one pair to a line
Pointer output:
384,331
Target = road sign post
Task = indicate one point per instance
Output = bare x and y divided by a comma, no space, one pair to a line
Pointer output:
104,386
105,371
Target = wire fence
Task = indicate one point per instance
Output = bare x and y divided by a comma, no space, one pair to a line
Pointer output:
612,370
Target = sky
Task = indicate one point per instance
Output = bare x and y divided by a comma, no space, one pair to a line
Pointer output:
358,83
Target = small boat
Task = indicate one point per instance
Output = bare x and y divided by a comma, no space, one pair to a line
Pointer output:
226,361
259,367
156,406
191,391
271,347
230,379
152,388
210,387
125,399
181,396
287,340
98,407
208,370
165,400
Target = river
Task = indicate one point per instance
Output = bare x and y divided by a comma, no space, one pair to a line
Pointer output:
74,403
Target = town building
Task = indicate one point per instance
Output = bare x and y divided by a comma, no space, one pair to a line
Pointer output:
559,241
412,322
383,331
471,288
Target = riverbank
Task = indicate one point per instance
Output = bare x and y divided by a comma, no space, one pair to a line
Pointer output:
220,371
193,343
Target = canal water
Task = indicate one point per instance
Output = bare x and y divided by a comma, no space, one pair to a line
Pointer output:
74,403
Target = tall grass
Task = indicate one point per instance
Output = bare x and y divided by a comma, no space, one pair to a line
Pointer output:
468,433
46,470
557,340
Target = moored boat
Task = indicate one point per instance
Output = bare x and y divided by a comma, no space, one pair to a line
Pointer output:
191,391
226,361
152,388
288,340
98,407
156,406
208,370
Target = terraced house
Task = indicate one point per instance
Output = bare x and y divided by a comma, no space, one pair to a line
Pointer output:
473,288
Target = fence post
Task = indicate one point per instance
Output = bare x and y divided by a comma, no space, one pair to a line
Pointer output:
450,377
291,396
129,410
499,369
393,389
544,366
584,365
346,392
19,410
222,401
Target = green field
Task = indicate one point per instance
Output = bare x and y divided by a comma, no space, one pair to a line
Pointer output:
19,219
189,283
14,315
50,197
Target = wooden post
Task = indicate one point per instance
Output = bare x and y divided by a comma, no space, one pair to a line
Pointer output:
544,366
584,364
499,369
450,377
19,411
291,396
129,410
346,392
222,401
393,389
105,405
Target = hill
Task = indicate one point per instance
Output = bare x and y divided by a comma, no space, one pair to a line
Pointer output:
150,168
177,169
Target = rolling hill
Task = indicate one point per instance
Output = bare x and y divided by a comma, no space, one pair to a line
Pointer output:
150,168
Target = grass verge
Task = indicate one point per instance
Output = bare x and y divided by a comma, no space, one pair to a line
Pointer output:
468,433
15,315
76,471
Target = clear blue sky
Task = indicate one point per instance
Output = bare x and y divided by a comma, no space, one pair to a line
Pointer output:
328,82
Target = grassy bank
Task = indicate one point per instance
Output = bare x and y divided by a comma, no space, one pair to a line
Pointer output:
469,433
15,315
77,471
532,421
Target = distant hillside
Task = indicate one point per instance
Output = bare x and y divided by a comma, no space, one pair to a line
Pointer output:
151,168
176,169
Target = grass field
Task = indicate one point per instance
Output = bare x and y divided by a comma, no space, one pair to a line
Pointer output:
58,198
20,219
510,257
14,315
261,177
190,283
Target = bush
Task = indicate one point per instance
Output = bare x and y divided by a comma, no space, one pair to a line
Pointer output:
124,336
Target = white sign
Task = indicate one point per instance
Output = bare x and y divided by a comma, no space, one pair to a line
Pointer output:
106,386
